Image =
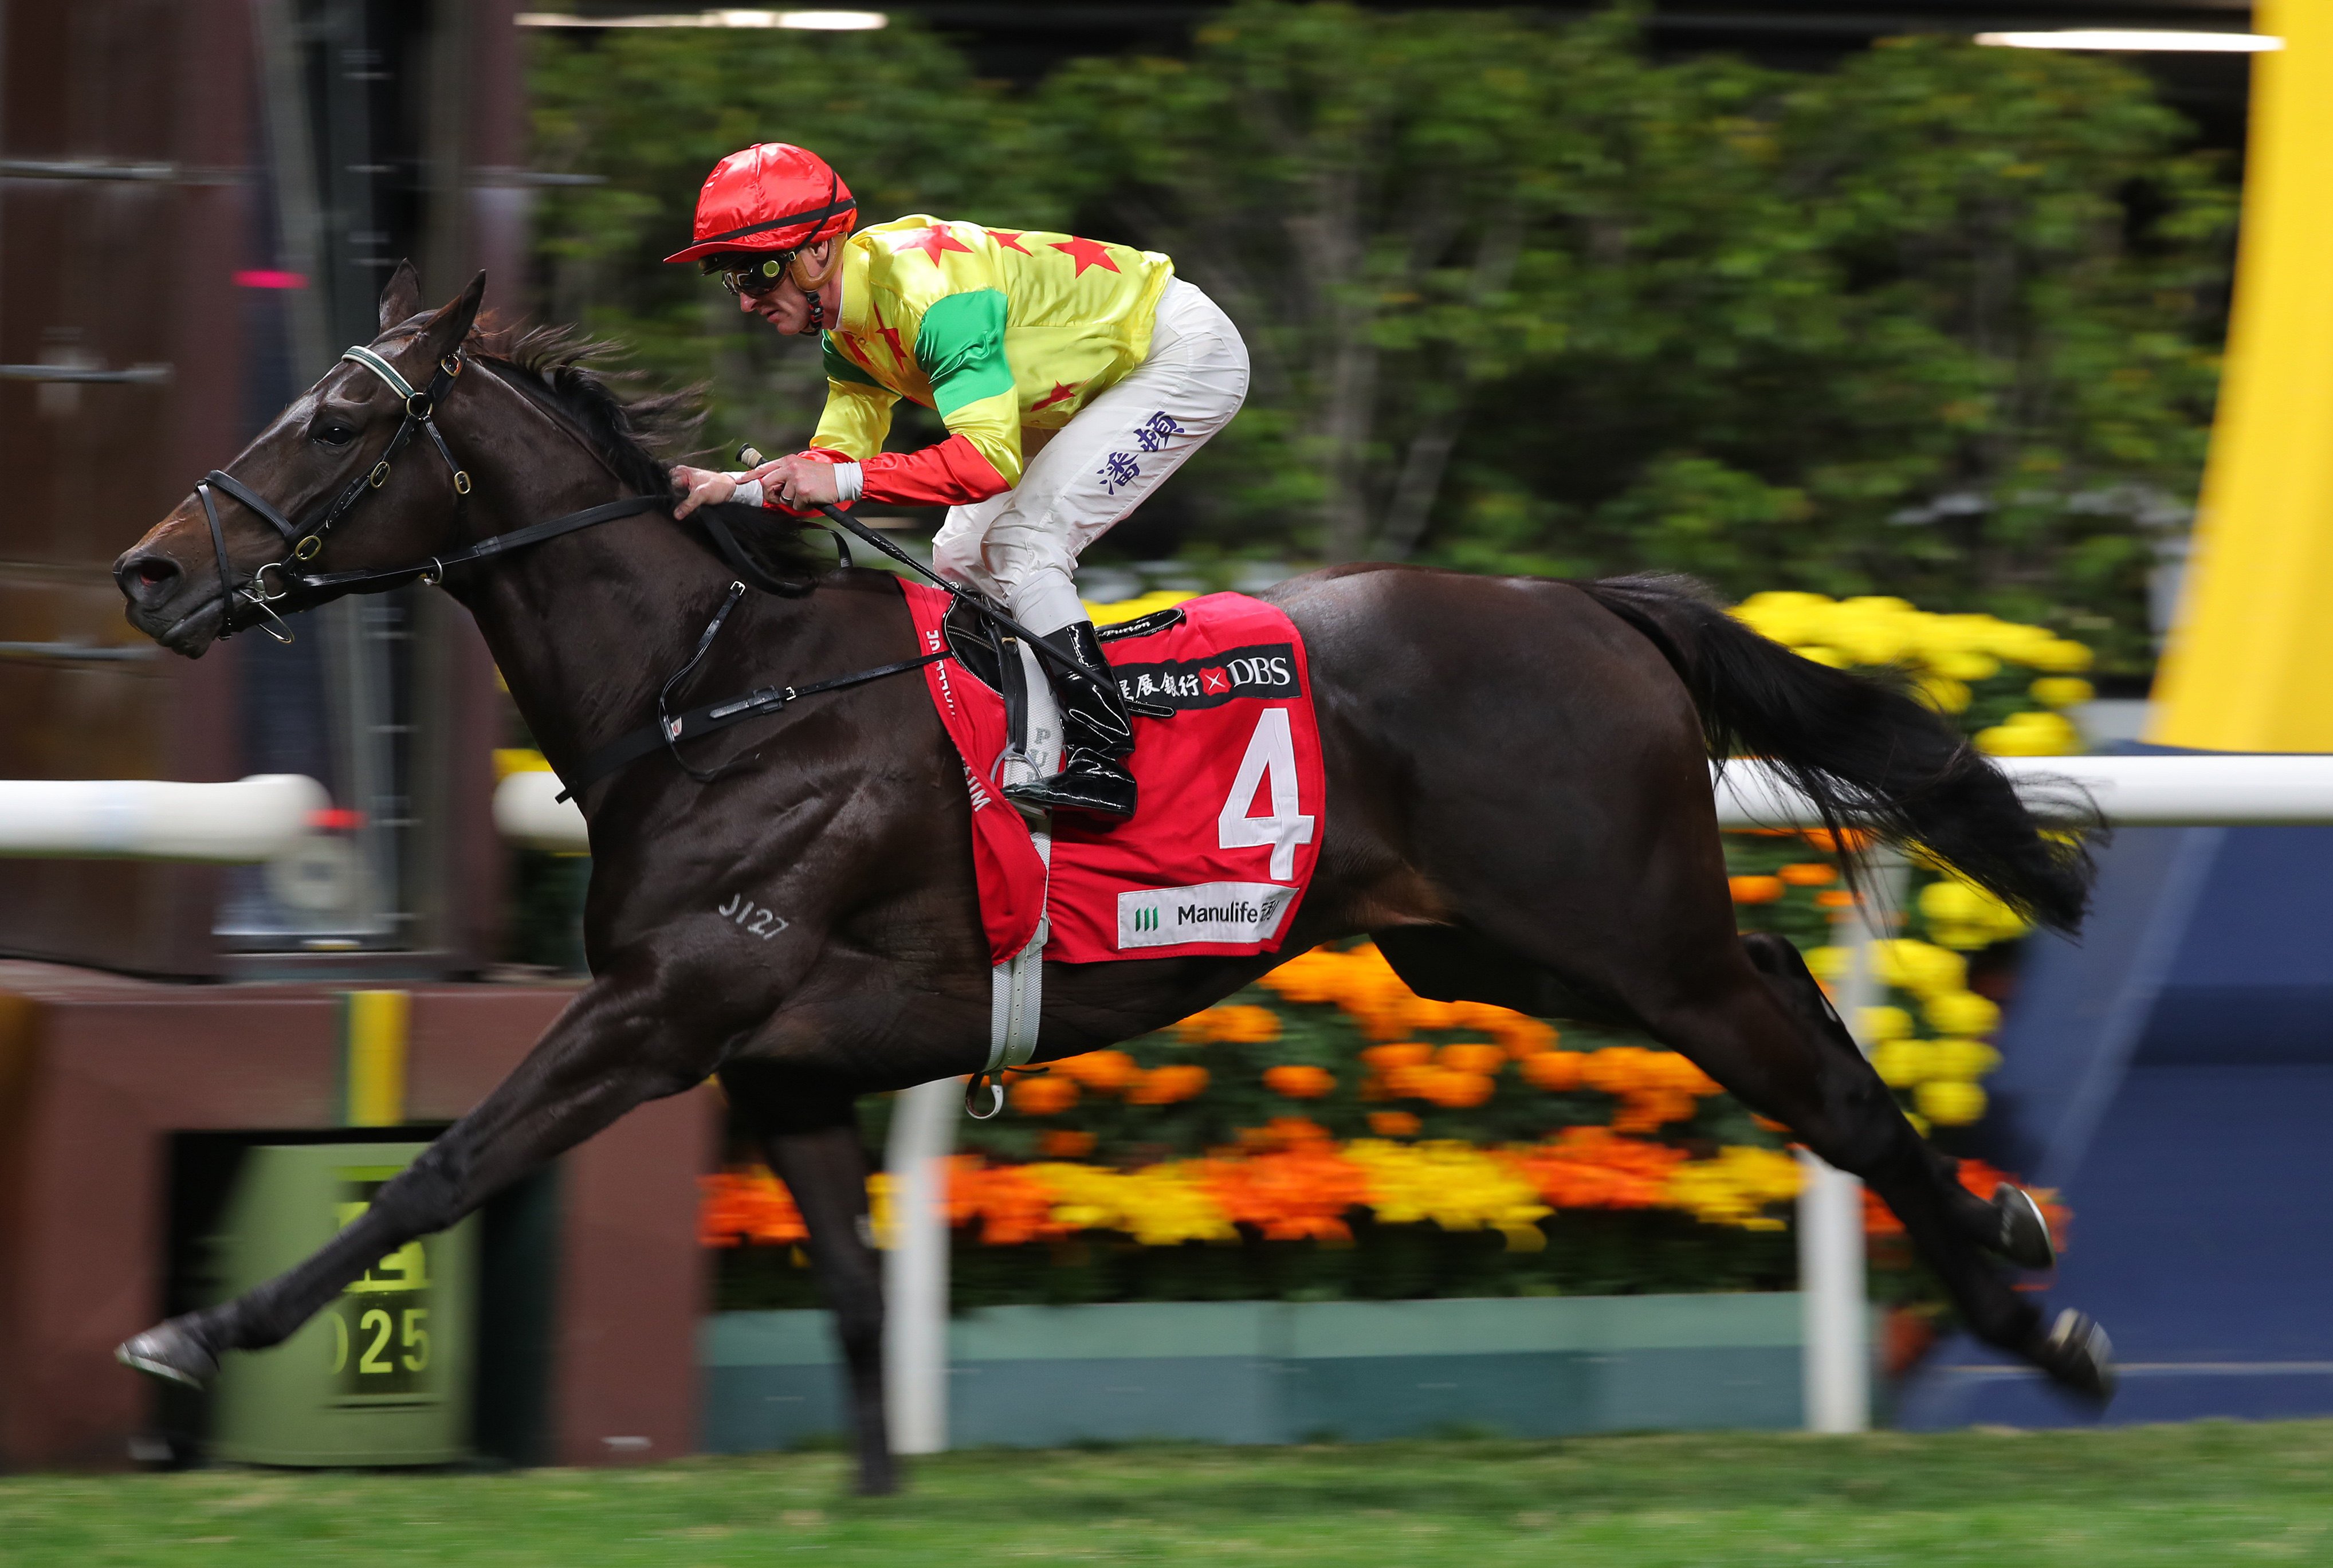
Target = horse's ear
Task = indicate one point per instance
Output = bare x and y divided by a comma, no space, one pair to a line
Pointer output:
451,325
400,299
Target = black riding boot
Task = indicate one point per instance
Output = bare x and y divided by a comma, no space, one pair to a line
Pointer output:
1096,735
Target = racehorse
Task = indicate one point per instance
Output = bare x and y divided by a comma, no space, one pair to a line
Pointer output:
1518,811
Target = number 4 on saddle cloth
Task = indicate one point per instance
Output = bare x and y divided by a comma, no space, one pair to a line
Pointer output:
1218,856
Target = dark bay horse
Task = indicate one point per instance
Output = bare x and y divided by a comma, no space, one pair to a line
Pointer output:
1519,811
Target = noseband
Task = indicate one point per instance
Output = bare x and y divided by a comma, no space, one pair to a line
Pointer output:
307,542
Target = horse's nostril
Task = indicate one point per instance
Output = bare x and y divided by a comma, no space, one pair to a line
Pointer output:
147,579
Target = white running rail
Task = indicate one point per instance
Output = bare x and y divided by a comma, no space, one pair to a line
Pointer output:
252,819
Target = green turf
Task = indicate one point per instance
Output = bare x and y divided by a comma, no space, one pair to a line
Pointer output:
2195,1496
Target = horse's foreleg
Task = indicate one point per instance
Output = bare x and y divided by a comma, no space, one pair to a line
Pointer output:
825,1169
619,1045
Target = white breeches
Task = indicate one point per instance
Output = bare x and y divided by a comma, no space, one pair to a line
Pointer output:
1022,546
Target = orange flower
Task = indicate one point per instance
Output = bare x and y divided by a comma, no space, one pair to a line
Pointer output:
1555,1070
1590,1168
1808,874
1012,1205
1471,1058
1393,1124
1289,1131
1834,898
1063,1143
1166,1085
1455,1090
1103,1071
1521,1036
1855,839
1043,1096
1755,889
1243,1026
1302,1192
1404,1053
742,1206
1298,1083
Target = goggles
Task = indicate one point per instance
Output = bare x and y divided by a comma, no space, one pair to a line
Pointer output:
753,276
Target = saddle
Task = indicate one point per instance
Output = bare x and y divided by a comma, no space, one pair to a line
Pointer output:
999,661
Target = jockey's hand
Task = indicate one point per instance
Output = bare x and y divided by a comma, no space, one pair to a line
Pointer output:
799,483
700,488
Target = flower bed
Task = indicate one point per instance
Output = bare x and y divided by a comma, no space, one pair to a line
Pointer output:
1328,1134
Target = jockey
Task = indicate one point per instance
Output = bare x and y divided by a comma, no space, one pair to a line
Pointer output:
1072,377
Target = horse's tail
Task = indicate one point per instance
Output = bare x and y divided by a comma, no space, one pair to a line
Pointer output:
1867,755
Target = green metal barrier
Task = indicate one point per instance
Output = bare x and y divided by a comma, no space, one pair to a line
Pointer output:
384,1375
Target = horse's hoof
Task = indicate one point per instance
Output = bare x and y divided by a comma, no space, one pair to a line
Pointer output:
2079,1356
171,1351
2025,1238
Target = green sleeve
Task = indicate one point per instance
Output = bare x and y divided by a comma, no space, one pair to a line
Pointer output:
961,348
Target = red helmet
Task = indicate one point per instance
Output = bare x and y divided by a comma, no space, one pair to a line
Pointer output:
771,197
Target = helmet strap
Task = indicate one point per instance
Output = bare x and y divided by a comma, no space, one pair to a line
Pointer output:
811,279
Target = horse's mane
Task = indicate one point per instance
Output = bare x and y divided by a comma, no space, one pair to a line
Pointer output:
640,436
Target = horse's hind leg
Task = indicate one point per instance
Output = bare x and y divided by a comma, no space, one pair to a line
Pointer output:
1794,1063
813,1145
2010,1224
1736,1024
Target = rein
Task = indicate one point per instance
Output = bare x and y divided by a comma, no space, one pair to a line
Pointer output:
306,542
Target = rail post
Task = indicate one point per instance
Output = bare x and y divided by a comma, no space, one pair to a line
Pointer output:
916,1266
1832,1295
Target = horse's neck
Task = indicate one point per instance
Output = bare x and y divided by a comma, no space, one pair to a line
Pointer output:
587,627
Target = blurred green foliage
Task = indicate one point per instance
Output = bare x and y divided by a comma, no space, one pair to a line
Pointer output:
1941,323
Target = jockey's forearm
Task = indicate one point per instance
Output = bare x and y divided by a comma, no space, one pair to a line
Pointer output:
951,474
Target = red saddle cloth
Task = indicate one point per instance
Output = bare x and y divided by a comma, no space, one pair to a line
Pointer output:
1217,858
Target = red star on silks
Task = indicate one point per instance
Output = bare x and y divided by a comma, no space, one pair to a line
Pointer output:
1089,252
1059,394
891,335
931,241
1010,239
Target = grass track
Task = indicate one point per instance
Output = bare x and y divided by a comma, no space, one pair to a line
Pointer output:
2204,1495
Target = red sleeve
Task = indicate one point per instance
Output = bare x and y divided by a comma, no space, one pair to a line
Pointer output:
952,474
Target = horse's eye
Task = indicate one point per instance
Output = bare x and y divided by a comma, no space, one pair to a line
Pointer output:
334,433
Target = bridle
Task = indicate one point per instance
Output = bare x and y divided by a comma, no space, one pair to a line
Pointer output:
306,541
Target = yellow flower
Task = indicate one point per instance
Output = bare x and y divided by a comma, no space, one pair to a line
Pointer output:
1902,1064
2031,735
1737,1187
1456,1184
1961,1061
1960,914
1883,1023
1919,967
1961,1012
1950,1104
2061,691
